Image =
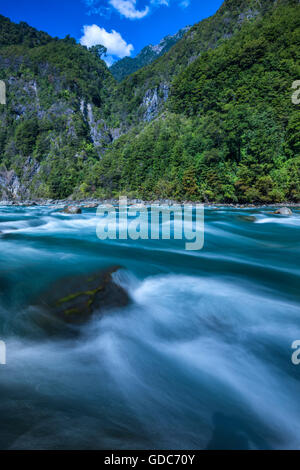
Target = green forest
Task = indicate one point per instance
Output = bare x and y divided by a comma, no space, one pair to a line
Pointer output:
220,127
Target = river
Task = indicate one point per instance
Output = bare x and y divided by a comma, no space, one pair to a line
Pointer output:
199,359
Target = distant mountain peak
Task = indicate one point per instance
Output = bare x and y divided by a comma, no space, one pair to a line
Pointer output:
148,54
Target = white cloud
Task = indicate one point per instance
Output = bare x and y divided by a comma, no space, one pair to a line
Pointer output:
182,3
128,9
115,44
185,3
109,60
160,2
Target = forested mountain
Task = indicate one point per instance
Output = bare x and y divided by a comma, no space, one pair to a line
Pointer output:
51,126
151,84
211,120
22,33
148,54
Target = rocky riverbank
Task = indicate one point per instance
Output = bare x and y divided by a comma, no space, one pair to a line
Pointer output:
94,203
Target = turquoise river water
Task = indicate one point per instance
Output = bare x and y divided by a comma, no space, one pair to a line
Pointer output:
201,358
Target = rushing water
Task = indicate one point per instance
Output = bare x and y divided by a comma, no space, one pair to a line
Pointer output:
201,358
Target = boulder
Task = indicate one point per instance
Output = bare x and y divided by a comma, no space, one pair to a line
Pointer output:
72,210
283,211
73,301
91,206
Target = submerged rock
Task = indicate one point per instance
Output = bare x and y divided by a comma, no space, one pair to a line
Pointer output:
75,300
248,218
72,210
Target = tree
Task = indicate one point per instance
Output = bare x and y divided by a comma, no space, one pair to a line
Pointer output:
99,50
26,135
189,183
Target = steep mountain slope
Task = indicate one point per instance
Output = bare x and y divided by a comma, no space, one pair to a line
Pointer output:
54,118
148,54
144,92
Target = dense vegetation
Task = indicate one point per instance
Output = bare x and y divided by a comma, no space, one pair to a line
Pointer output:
227,132
207,34
44,135
231,132
12,34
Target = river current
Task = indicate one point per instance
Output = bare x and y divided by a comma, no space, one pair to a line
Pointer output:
201,358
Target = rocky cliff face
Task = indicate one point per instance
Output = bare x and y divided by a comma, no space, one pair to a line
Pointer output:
13,187
98,129
154,100
10,187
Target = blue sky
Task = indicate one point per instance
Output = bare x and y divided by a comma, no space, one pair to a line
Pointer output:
123,26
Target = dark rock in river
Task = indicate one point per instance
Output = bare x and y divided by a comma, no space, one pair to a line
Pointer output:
247,218
72,210
284,211
75,300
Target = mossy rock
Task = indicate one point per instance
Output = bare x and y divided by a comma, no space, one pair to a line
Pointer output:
75,300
